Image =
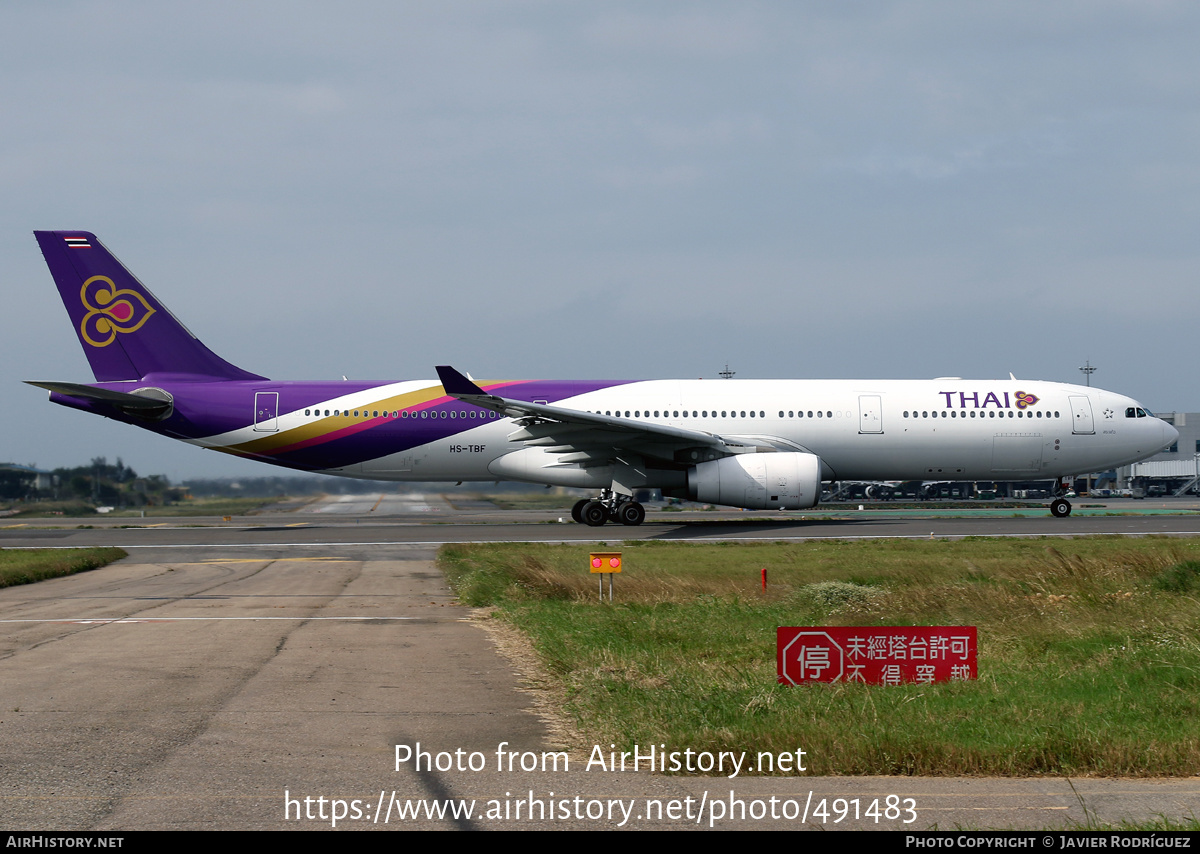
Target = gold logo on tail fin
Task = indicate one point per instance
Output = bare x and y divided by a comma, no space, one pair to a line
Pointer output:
110,311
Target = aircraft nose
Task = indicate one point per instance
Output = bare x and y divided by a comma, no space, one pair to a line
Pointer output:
1170,434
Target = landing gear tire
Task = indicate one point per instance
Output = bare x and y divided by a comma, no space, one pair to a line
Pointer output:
594,514
1060,507
631,513
577,510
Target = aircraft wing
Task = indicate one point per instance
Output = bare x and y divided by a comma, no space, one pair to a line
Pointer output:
592,438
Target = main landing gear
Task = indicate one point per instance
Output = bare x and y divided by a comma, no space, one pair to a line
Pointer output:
594,512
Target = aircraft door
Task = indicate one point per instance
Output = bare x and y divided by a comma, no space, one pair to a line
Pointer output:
870,413
1081,414
266,411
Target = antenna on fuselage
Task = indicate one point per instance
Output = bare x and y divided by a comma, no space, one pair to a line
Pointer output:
726,374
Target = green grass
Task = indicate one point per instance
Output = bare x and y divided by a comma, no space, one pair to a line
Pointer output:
1161,822
1087,665
25,566
219,506
190,507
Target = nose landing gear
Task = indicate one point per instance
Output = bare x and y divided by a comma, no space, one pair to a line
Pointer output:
1060,507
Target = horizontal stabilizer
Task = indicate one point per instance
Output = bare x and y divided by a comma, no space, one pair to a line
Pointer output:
150,405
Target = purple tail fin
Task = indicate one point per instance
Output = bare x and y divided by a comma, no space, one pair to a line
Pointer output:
126,333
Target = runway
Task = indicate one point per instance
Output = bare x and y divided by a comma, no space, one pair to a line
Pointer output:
259,674
380,521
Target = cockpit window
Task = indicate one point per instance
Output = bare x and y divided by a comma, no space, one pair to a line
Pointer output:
1131,413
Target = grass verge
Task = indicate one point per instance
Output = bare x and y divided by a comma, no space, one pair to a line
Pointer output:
190,507
25,566
1089,649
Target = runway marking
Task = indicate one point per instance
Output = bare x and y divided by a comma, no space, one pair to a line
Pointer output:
259,560
84,621
766,538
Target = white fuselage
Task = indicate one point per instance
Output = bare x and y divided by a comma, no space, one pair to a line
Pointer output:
948,429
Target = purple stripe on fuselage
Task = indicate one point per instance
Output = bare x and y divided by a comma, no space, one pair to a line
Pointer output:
394,435
207,409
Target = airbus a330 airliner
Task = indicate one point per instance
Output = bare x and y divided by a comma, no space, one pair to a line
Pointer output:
758,444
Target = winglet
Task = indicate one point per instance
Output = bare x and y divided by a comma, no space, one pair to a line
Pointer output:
455,383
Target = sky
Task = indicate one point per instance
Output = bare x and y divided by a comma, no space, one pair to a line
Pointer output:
606,190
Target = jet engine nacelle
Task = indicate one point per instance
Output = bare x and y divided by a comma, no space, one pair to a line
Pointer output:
783,481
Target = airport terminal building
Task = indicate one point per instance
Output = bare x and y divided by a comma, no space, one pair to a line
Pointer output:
1173,471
